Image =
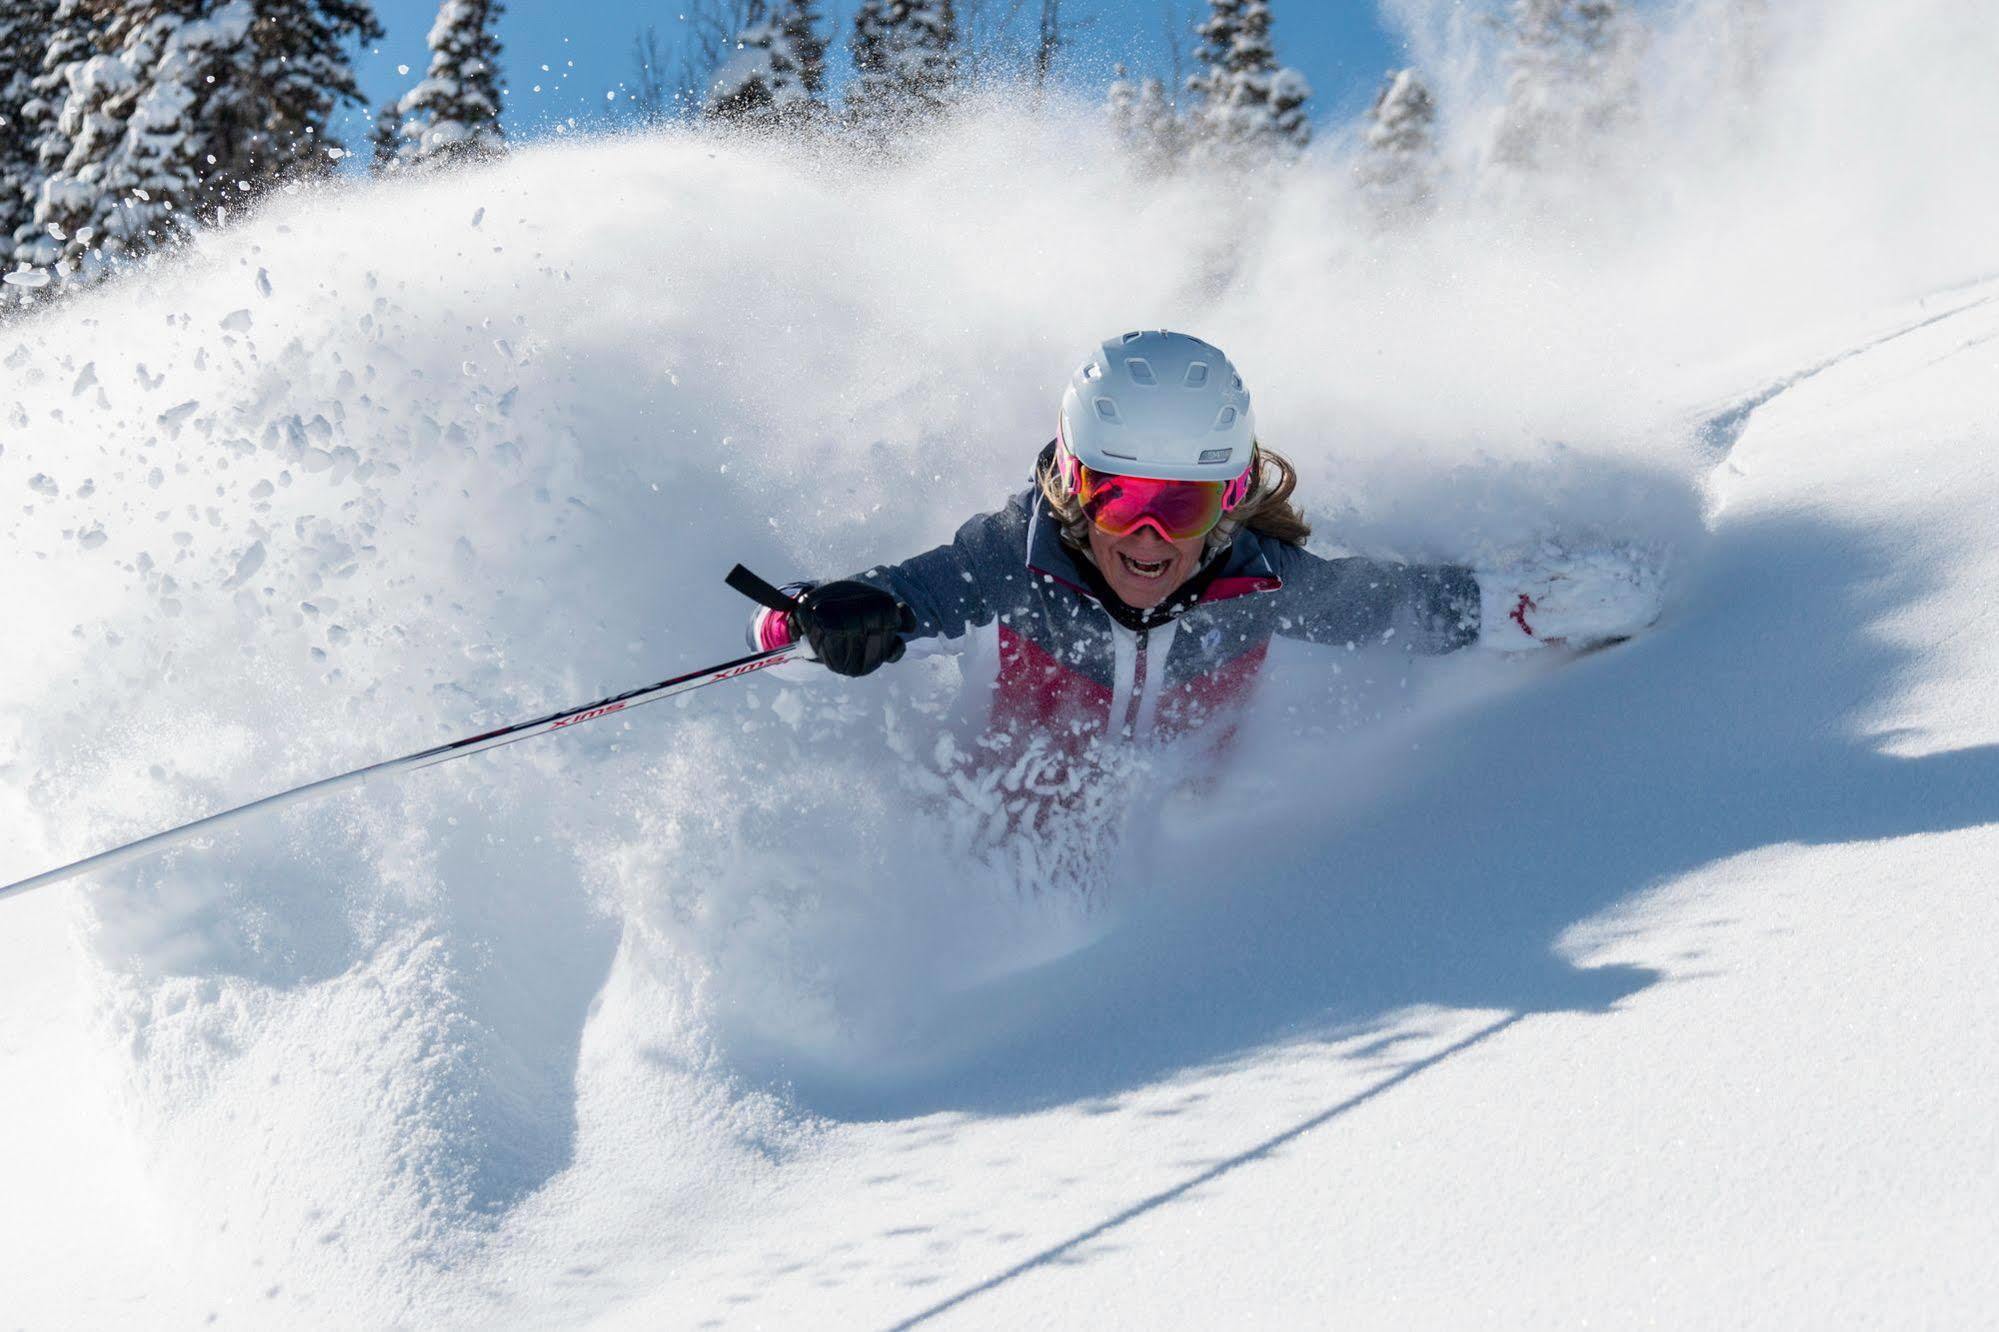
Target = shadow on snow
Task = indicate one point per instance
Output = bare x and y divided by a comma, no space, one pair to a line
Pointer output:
1740,723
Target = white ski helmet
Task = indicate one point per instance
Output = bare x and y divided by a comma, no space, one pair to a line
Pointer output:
1162,405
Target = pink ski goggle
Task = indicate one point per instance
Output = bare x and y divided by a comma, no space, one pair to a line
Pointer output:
1120,505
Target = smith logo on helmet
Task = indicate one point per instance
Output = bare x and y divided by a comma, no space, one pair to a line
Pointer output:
1215,455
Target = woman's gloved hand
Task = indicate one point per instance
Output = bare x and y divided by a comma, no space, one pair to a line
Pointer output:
1579,597
853,627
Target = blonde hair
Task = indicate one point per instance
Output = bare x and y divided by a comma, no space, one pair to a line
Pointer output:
1268,510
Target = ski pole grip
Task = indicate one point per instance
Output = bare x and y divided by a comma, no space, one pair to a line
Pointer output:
757,590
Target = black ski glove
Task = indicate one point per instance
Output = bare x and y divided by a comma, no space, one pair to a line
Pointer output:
853,627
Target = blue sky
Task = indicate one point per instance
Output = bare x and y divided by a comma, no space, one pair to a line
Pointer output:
586,49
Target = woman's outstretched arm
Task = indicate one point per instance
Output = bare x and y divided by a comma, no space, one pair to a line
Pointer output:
1426,608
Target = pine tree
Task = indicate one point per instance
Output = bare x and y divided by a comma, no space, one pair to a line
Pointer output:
869,46
26,29
1611,42
1398,167
453,115
1144,121
172,112
1533,123
268,110
71,42
798,30
1160,135
1209,83
1249,105
140,147
387,138
1121,102
775,70
905,61
1573,81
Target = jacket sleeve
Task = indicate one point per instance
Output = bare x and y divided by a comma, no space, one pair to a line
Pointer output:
1425,608
958,587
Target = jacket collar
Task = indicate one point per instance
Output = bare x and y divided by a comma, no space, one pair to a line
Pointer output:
1243,567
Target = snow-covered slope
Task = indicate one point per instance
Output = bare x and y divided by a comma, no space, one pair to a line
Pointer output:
1648,987
1658,993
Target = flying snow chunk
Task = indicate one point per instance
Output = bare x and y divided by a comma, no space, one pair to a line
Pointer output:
174,418
247,564
237,321
27,277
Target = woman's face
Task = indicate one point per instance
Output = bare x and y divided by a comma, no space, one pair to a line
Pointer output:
1143,567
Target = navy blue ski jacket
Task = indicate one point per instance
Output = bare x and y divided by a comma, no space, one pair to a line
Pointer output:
1063,656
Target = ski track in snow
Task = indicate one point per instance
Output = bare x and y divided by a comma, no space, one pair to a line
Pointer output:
1719,433
1648,987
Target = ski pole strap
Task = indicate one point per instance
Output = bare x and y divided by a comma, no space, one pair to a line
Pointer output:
757,590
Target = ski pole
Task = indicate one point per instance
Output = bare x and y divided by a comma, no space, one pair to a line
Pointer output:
739,578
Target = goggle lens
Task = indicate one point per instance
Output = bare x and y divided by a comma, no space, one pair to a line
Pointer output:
1120,505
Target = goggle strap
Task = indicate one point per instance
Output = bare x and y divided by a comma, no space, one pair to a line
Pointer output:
1237,491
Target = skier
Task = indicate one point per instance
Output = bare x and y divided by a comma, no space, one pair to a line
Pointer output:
1131,592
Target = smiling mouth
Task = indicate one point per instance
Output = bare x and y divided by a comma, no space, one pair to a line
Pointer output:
1143,568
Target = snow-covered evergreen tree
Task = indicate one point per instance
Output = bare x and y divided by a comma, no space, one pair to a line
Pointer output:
774,71
141,150
454,113
387,137
798,32
271,101
1156,124
1573,80
70,43
1210,80
1248,103
1539,89
1120,99
1398,165
905,60
1143,118
26,28
173,112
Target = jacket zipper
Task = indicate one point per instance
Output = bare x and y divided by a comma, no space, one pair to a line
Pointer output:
1131,707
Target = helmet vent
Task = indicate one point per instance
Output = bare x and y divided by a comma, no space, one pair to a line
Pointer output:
1197,375
1091,371
1133,337
1108,411
1141,373
1226,419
